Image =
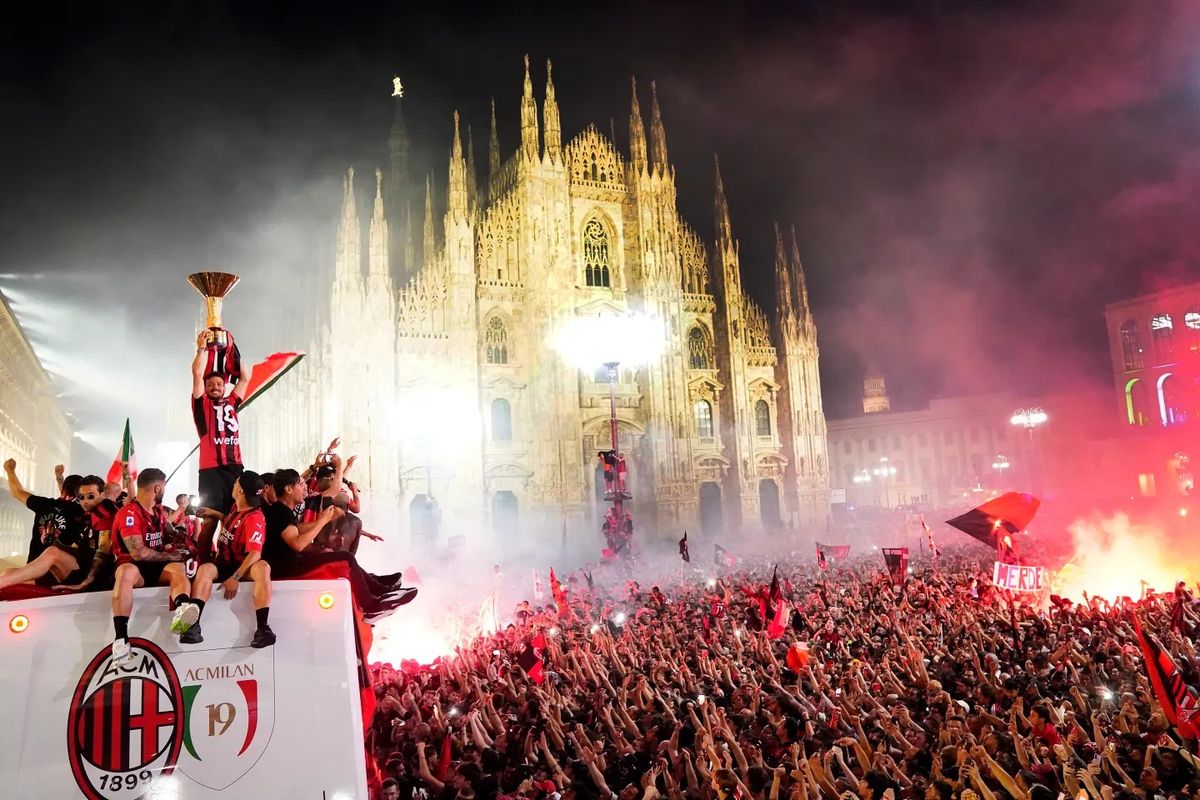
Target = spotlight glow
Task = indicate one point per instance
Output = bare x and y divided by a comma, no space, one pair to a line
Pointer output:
628,339
19,623
619,618
325,600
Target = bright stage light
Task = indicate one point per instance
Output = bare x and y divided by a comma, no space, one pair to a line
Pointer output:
593,341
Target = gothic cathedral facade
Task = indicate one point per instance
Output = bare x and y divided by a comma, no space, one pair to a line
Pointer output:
438,368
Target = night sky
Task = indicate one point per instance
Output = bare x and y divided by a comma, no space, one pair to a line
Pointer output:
970,182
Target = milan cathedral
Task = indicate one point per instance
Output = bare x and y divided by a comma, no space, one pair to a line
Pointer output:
437,366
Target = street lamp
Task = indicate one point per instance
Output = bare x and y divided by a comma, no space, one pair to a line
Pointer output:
1001,466
1030,419
883,472
608,341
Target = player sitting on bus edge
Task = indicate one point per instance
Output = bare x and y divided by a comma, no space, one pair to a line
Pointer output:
239,556
63,529
139,542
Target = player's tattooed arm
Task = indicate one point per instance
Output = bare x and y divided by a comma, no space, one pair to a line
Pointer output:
140,552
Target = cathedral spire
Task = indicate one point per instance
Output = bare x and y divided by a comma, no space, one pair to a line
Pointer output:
349,235
493,147
658,135
800,281
456,191
377,262
529,122
637,133
472,179
553,133
721,208
784,296
427,241
397,177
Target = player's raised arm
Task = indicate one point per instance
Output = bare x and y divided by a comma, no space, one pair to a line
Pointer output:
14,483
198,366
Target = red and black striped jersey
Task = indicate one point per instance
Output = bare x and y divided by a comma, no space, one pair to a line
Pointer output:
134,520
218,426
242,532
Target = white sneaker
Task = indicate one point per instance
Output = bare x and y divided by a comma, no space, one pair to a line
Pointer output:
122,653
185,617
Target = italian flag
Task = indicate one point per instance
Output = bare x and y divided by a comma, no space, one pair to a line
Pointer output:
125,458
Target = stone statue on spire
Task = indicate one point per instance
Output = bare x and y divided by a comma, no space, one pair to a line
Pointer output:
397,87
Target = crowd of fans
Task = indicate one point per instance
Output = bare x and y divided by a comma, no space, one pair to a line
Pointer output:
937,689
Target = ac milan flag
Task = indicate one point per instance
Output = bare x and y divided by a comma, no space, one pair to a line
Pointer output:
224,359
1180,702
683,549
998,519
126,459
929,536
779,607
838,551
897,563
530,659
722,557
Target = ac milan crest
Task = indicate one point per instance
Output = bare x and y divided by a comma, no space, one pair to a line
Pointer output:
125,727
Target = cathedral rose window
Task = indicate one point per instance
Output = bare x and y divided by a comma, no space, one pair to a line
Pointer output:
596,268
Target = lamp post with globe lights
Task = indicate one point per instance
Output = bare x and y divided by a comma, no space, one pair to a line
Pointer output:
609,341
1001,466
1030,419
884,471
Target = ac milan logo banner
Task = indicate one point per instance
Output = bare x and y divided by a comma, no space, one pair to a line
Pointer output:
896,559
838,551
1017,578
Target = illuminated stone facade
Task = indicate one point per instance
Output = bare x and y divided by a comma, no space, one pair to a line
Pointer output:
436,364
33,430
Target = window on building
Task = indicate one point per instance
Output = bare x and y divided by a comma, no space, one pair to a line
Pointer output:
845,448
925,470
596,267
1131,345
762,418
699,349
501,420
704,419
495,341
899,465
1191,321
1162,333
895,442
871,445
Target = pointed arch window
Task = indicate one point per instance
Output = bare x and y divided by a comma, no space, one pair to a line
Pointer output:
501,420
704,420
762,418
699,349
1162,334
597,270
1191,321
1131,345
495,341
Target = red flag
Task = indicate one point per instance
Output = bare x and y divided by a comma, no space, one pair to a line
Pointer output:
1180,702
821,563
266,372
126,458
779,622
443,764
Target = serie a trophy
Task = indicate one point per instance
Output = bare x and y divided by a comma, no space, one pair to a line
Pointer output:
213,286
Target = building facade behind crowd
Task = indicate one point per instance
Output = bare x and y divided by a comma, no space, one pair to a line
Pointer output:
486,429
33,428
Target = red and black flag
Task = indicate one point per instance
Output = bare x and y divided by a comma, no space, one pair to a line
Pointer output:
838,551
933,551
224,359
1180,702
774,593
995,522
443,762
1178,622
897,563
821,563
530,659
779,608
683,549
722,557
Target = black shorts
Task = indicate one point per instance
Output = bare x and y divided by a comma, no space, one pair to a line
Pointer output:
216,487
225,570
151,571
